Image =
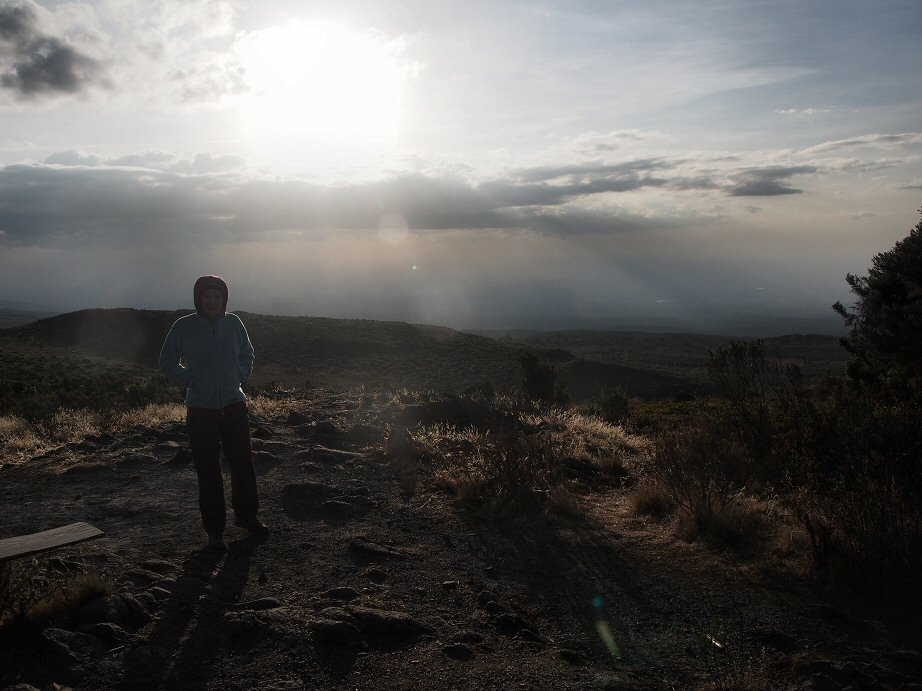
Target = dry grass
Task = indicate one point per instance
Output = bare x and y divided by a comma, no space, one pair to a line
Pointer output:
523,468
21,439
56,608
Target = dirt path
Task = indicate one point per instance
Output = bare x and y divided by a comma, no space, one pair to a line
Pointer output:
368,582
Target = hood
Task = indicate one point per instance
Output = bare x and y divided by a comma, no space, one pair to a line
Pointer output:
205,282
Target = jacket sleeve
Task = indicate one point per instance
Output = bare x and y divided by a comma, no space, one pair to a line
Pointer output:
170,355
246,354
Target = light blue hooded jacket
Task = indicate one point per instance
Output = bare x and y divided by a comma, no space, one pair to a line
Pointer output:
211,359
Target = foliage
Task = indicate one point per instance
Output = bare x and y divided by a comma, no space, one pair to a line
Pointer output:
700,472
540,382
613,404
886,318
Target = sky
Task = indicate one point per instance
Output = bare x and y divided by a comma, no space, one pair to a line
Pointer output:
662,164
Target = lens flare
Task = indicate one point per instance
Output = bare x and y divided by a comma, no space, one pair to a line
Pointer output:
603,628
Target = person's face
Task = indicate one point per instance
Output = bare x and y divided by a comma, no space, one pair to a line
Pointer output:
212,303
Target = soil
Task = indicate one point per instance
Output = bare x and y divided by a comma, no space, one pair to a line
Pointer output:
372,579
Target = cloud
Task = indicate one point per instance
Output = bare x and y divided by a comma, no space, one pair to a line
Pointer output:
887,141
73,157
34,63
110,205
801,112
768,181
153,197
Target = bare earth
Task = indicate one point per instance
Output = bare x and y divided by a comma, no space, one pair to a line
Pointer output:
373,580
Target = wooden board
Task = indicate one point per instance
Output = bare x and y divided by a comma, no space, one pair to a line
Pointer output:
24,545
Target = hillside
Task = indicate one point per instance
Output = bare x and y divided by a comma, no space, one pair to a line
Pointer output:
89,352
388,568
680,356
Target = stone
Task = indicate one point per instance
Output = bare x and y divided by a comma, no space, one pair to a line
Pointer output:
297,418
458,651
342,593
450,585
333,632
120,609
376,575
182,457
135,460
70,648
386,626
371,550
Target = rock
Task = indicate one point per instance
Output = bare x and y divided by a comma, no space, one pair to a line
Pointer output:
285,685
366,434
376,575
569,655
450,585
335,509
135,460
297,418
159,566
301,500
326,428
264,462
262,432
332,632
113,634
142,577
342,593
120,609
322,454
509,624
182,457
259,604
371,550
387,627
70,648
458,651
147,657
401,444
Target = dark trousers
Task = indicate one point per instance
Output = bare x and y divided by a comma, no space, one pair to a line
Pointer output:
209,432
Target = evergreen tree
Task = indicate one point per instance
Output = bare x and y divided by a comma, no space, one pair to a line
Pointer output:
886,318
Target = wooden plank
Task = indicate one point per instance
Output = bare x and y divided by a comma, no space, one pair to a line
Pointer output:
24,545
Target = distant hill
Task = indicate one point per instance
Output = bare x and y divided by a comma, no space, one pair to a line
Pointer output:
10,317
680,356
316,350
99,357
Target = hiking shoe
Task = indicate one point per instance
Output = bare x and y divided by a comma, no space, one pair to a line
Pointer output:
215,543
254,525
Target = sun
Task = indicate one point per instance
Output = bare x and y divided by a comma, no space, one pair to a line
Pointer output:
321,81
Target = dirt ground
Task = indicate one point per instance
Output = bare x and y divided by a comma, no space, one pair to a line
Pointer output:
370,579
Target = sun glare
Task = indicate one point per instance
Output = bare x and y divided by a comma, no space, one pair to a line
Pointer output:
320,81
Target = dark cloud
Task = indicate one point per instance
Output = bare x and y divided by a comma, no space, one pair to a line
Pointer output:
121,206
152,198
34,63
767,182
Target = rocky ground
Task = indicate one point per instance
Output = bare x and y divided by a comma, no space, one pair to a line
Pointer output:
372,579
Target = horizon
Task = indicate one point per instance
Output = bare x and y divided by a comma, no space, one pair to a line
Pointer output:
706,166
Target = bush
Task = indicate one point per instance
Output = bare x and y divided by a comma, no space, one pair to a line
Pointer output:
540,382
700,472
614,404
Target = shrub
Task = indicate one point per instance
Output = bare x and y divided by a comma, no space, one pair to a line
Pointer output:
700,472
540,382
613,404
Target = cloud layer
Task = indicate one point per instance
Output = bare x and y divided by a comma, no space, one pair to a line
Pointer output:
35,63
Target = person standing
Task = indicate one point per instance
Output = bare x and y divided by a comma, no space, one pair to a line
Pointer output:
209,352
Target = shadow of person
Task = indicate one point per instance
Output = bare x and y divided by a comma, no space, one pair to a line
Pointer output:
189,630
